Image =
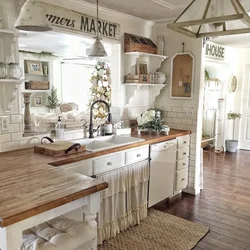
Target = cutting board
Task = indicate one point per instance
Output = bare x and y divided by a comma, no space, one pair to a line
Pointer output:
59,148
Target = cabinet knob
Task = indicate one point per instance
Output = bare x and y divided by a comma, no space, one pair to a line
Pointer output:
184,153
109,163
183,164
183,179
138,155
184,142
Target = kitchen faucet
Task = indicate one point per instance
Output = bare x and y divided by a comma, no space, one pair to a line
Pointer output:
91,132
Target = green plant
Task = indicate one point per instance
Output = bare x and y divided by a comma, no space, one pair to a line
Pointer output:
206,76
154,125
233,116
52,101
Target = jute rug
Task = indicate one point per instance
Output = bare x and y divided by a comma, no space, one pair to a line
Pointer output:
160,231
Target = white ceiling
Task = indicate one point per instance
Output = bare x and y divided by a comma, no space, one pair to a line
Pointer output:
72,46
153,10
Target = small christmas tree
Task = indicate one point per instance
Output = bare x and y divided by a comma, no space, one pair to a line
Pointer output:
52,101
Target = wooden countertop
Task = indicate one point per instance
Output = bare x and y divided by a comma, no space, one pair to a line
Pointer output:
31,184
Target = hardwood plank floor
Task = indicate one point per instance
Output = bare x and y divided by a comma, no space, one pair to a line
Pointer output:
224,203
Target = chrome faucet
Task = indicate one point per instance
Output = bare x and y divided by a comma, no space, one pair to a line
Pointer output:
91,132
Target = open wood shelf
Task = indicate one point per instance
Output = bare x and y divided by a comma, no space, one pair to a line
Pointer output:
12,81
144,84
145,54
7,32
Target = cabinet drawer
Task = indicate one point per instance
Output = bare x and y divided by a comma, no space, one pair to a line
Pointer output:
182,164
181,179
79,168
105,164
136,155
183,141
182,153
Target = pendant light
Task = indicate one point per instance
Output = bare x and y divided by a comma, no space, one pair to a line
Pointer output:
212,18
32,17
97,49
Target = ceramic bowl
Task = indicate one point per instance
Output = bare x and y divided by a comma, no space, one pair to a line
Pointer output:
161,77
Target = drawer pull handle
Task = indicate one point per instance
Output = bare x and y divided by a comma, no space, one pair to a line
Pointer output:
183,179
138,155
109,163
183,164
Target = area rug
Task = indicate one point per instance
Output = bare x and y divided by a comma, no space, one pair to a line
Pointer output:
160,231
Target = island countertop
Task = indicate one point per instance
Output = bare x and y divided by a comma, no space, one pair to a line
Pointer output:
30,183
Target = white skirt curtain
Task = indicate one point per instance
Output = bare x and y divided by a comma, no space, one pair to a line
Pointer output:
124,202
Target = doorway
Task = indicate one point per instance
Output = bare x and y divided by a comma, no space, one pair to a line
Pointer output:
245,119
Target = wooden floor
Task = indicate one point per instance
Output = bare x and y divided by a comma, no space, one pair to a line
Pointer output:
223,205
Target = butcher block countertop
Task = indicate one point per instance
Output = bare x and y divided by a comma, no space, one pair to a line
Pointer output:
30,183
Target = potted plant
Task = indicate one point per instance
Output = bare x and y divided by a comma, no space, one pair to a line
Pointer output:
52,101
232,145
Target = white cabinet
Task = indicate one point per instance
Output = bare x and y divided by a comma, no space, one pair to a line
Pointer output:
162,171
137,154
80,167
111,162
182,163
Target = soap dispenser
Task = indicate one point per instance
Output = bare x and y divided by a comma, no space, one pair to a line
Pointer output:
59,130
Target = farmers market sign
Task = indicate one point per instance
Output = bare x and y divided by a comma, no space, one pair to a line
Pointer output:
64,19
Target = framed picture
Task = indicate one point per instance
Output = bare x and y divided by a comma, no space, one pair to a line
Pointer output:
38,101
34,67
182,76
141,68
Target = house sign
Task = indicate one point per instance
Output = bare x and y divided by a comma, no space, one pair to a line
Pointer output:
215,51
68,20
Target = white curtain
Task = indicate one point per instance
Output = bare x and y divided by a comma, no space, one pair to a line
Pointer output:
124,202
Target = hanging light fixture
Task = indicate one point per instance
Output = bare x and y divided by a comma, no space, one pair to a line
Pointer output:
97,49
32,17
212,18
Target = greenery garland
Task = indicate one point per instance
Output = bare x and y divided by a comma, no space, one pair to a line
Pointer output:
38,55
100,90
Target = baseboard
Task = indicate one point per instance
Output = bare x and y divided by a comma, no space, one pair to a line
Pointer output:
193,191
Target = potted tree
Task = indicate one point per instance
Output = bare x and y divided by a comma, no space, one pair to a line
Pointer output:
52,101
232,145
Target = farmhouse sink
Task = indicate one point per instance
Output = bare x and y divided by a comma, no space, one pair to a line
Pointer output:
107,142
117,139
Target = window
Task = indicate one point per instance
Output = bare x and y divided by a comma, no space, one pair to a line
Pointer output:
76,84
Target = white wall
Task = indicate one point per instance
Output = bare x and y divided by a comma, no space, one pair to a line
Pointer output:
180,113
233,65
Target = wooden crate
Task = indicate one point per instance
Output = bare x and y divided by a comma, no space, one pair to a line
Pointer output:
134,43
37,85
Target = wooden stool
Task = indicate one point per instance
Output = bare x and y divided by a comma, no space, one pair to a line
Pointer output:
60,233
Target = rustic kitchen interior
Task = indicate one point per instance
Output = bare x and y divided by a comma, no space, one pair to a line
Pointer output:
119,129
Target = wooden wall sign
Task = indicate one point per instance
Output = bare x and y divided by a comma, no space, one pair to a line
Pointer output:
215,51
64,19
182,76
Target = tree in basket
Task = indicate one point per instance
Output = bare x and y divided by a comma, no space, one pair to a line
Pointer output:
52,101
232,145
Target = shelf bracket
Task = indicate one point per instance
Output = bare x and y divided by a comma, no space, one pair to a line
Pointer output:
8,92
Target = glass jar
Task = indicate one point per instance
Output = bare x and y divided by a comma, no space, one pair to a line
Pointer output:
14,71
3,70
